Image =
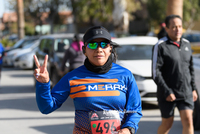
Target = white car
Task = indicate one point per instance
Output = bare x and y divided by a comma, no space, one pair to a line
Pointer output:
24,58
135,54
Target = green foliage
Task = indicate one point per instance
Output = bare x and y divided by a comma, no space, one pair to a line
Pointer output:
29,29
7,43
93,10
191,12
157,11
132,6
99,11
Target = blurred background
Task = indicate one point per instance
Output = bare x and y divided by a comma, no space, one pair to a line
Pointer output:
20,18
40,27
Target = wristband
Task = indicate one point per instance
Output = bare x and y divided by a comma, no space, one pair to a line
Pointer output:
131,129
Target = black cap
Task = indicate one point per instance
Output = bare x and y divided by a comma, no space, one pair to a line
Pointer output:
96,32
76,37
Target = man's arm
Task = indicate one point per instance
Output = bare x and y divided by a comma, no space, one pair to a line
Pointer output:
157,63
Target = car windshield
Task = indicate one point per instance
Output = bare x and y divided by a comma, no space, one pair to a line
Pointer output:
18,43
62,44
134,52
31,44
23,42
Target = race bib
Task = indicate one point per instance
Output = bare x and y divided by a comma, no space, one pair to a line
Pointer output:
104,122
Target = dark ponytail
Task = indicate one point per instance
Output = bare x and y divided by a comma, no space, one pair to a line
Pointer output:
113,51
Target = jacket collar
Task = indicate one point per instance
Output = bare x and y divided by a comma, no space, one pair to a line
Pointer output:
174,42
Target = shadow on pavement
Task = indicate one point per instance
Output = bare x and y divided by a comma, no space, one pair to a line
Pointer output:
29,104
21,75
56,129
149,105
17,89
152,126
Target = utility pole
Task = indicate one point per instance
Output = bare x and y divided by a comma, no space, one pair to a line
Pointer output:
20,14
175,7
0,29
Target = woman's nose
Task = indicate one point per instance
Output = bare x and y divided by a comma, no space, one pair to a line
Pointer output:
99,47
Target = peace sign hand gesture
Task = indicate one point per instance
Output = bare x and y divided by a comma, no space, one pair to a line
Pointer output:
41,74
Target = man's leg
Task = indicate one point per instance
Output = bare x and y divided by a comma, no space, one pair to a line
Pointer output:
187,121
165,125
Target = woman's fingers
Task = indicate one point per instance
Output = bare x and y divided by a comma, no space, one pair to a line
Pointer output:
36,73
45,61
36,61
41,73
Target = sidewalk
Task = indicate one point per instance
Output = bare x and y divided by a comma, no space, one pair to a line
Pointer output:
18,110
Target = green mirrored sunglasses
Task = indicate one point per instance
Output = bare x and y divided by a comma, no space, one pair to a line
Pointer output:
94,45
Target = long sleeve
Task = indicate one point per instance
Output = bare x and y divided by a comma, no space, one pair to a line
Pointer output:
49,100
133,106
157,63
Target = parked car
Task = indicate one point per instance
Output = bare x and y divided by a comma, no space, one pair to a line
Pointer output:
49,44
11,52
194,39
135,54
196,114
24,58
22,42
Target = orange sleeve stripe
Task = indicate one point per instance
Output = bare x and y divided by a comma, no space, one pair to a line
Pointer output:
76,89
95,94
87,81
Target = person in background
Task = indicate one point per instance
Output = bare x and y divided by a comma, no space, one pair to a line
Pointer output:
101,89
162,33
61,46
1,58
173,73
73,55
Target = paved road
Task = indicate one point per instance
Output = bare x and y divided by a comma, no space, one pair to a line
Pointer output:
19,113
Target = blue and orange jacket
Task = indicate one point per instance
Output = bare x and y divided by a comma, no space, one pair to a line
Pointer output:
1,53
114,90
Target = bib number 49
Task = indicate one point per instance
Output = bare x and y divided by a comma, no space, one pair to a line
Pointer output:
106,127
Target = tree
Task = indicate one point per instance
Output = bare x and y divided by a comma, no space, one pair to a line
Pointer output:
97,12
175,7
41,6
38,7
122,14
92,11
158,11
191,13
20,14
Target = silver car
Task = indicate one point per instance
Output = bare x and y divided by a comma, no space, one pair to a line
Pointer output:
8,59
24,58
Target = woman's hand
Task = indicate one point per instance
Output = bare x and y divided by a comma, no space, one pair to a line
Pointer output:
41,74
124,131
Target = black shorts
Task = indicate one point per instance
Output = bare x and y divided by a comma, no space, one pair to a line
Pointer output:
167,108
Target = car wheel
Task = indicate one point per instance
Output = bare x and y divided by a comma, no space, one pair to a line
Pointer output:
54,78
196,114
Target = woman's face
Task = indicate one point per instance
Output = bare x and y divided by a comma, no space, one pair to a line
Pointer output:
99,56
